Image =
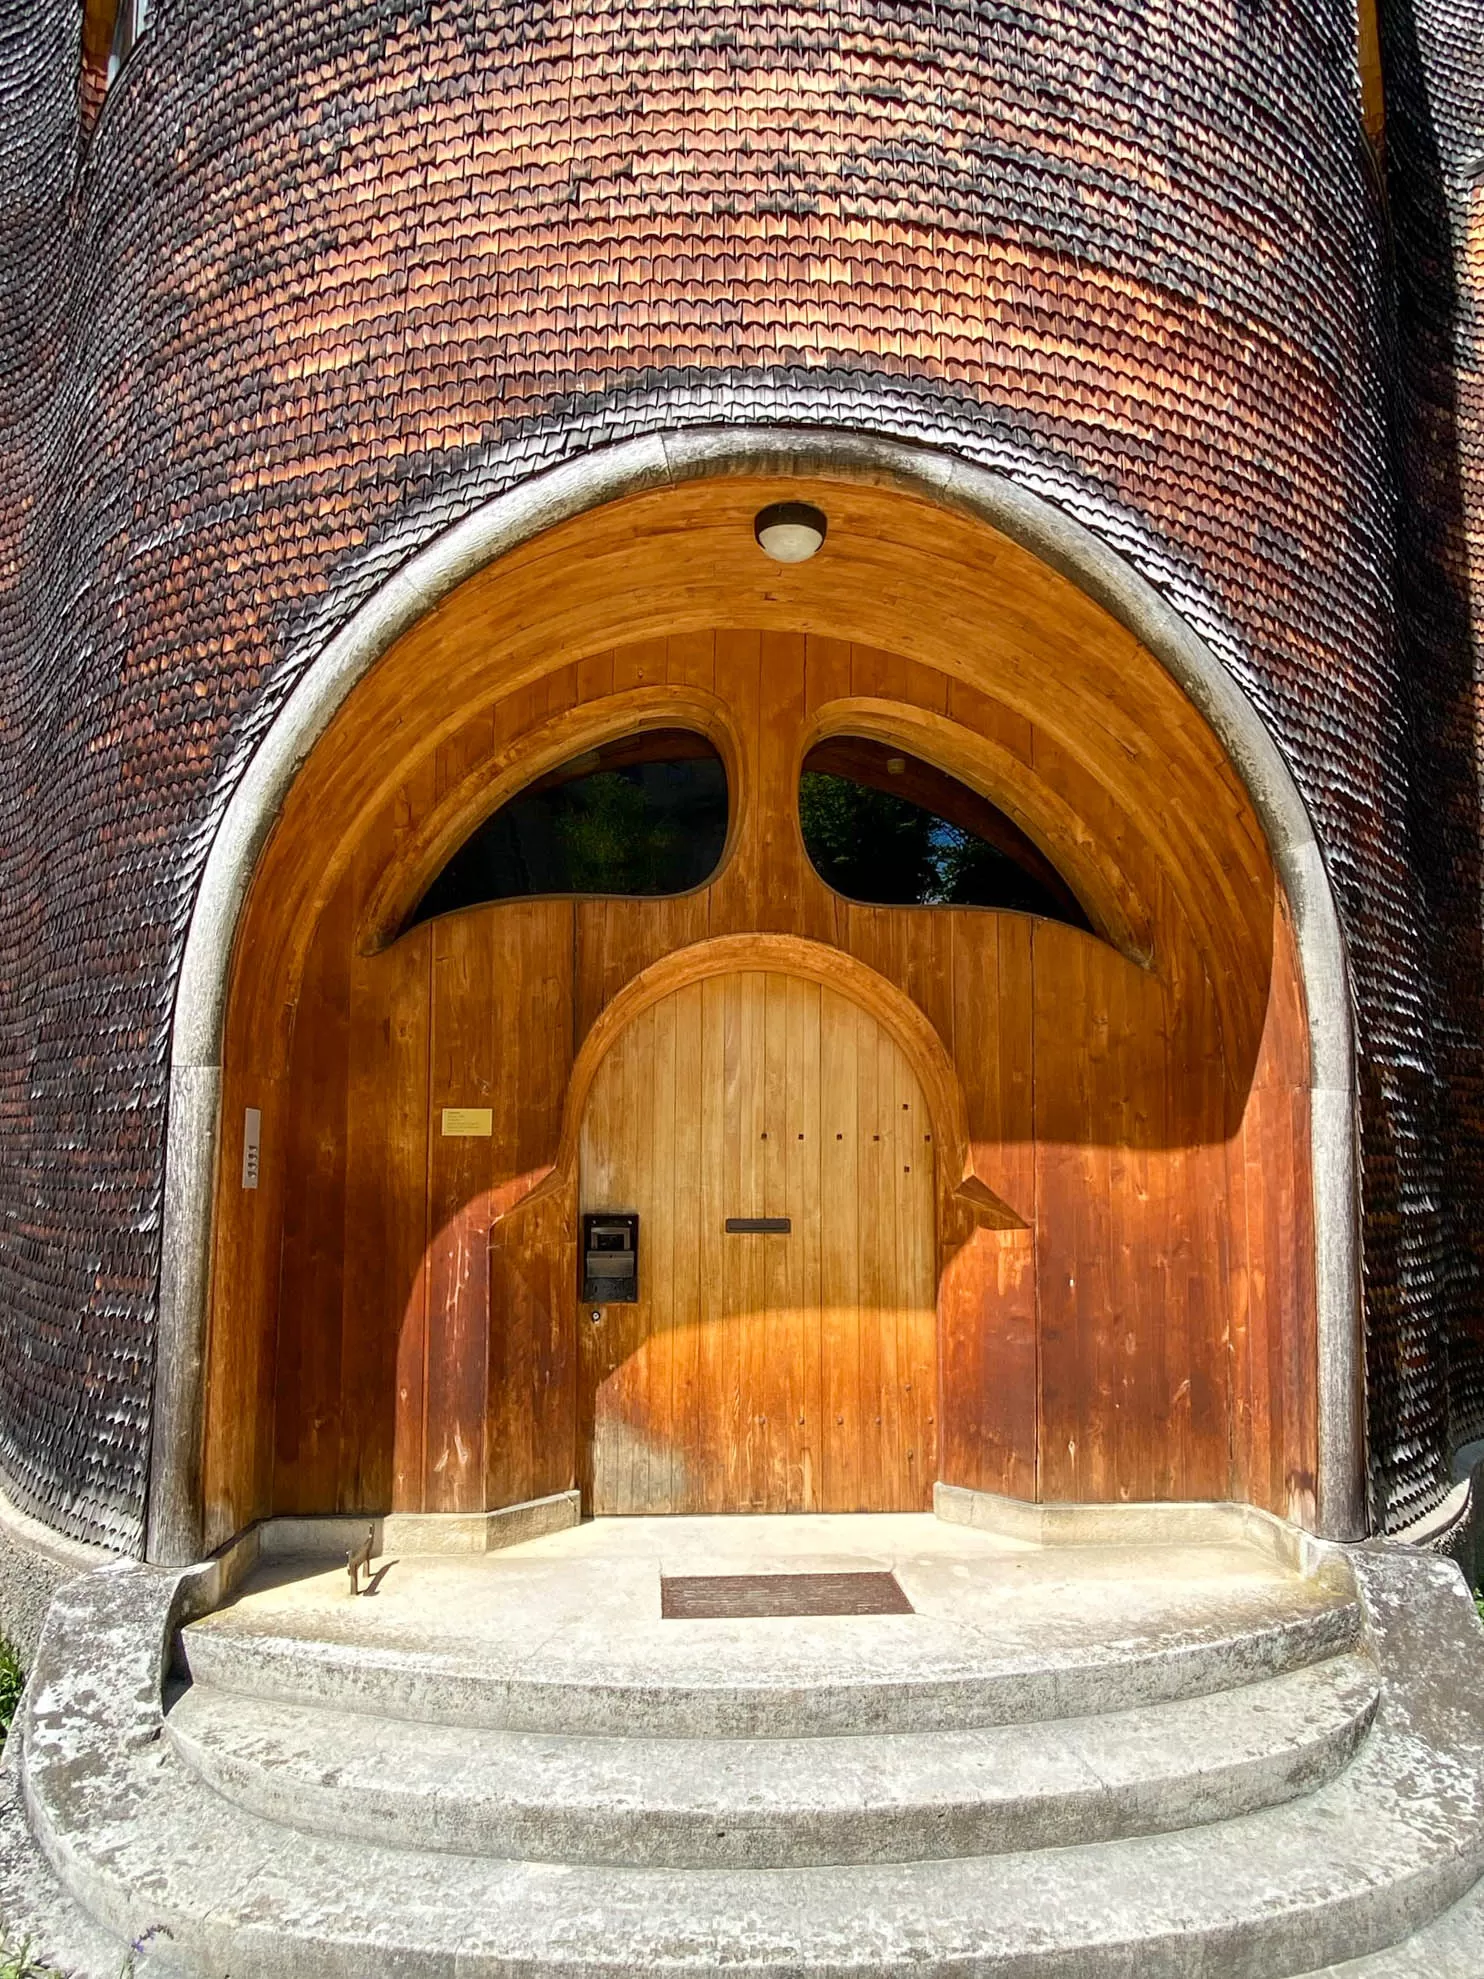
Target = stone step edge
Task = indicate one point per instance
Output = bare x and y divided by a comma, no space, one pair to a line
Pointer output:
389,1683
884,1797
39,1912
1449,1946
1334,1875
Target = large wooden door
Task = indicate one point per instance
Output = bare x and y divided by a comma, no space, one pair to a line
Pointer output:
762,1372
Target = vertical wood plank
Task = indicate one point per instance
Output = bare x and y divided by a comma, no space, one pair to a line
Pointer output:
307,1440
780,854
693,1265
845,1113
735,896
803,1202
719,1177
532,1263
464,1073
690,659
746,1322
989,1385
776,1319
386,1225
668,1195
708,1395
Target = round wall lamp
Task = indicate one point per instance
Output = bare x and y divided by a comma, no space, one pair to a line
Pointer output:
790,532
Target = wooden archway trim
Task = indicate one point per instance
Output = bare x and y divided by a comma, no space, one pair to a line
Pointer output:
1107,893
789,955
1020,648
498,778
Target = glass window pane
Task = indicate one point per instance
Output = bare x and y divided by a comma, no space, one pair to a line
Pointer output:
642,817
890,830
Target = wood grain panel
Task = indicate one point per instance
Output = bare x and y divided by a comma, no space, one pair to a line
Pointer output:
532,1261
1149,1331
1271,1234
384,1316
242,1398
801,1093
463,1061
306,1465
989,1343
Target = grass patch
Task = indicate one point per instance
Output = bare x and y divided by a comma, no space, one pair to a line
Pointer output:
16,1962
12,1683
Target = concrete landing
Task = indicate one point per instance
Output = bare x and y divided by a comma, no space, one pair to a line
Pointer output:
565,1634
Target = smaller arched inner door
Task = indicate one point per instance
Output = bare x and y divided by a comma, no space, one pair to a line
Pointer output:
774,1370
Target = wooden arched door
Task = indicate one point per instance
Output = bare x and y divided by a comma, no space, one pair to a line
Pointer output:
762,1371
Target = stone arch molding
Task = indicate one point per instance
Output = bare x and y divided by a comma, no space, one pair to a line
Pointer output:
670,459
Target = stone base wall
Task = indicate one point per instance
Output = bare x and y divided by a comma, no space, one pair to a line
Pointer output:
34,1563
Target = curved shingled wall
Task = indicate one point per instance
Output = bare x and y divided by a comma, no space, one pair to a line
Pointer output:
325,277
1434,56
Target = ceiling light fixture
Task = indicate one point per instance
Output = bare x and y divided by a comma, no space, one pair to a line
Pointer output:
790,532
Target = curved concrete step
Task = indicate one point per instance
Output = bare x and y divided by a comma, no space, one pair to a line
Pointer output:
1336,1874
1002,1651
1451,1946
884,1797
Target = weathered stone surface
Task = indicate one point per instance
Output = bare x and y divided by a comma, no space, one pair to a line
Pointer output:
34,1907
779,1802
565,1636
1379,1851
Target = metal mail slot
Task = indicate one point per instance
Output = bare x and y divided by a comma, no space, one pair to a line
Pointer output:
766,1226
610,1257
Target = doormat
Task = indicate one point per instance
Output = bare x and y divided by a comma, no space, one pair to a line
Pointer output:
732,1597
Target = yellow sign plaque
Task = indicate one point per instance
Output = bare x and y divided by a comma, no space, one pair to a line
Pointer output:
469,1122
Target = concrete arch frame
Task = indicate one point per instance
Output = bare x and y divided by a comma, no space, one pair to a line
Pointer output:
670,459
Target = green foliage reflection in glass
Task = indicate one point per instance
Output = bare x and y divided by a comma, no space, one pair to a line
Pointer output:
642,816
888,829
615,838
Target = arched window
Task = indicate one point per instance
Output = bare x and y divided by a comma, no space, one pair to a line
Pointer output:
642,816
890,830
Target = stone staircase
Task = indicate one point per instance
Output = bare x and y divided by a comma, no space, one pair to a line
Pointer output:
1261,1780
774,1803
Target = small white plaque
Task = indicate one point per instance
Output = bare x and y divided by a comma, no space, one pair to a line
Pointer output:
252,1141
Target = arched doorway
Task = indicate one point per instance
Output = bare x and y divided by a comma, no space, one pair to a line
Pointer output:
776,1146
1126,1306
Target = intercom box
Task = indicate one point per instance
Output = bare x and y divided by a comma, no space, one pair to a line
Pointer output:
610,1258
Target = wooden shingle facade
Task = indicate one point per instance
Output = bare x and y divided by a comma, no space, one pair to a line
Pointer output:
300,291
